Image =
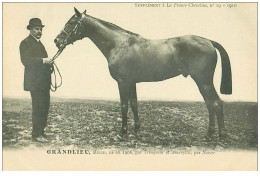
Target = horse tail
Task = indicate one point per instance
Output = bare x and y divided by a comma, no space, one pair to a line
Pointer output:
226,79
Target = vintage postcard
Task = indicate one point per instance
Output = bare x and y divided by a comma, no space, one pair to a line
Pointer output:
130,86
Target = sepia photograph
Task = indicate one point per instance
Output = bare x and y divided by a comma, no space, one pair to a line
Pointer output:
130,86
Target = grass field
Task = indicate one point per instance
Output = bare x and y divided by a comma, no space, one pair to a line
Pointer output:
96,124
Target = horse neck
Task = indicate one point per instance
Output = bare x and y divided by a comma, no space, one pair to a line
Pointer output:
103,36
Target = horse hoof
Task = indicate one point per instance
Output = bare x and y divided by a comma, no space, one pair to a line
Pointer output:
123,131
222,136
123,134
137,134
137,130
211,132
209,135
208,138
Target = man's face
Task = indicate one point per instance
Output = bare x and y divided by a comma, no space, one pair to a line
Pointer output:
36,32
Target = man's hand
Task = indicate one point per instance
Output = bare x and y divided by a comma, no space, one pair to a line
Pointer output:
47,61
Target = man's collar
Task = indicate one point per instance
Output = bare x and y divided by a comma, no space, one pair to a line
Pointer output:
35,38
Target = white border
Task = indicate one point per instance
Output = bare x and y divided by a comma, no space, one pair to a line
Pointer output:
133,180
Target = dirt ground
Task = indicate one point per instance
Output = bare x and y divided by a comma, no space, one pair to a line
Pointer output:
96,124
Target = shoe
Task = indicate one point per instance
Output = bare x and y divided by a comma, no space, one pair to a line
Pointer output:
40,139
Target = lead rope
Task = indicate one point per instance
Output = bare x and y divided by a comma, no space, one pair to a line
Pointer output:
54,66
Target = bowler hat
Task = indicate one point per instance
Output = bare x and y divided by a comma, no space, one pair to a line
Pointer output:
34,22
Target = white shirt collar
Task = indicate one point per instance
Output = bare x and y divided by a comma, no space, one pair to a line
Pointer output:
35,38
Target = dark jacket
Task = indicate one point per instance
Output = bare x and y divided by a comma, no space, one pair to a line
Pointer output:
37,76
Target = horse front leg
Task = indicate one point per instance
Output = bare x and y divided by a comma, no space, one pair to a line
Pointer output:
133,103
124,89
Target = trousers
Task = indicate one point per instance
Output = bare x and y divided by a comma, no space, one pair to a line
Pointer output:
40,109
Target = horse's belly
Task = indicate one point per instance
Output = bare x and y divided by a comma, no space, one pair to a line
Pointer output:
154,78
158,71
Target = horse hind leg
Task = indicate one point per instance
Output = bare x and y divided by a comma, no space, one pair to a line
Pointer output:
133,103
211,129
218,107
214,106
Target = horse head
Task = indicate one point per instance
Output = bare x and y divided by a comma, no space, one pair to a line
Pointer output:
73,30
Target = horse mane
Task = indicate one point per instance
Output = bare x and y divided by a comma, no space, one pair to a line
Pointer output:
113,26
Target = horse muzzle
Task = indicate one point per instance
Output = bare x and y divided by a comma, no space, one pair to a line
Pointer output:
60,44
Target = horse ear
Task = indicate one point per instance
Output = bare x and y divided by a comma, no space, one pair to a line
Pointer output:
84,12
77,12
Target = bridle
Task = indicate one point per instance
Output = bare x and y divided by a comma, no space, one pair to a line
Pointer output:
68,35
74,30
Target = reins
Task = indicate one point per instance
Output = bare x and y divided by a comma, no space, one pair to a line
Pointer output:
55,86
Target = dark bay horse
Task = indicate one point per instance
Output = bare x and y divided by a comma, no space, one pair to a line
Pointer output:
133,59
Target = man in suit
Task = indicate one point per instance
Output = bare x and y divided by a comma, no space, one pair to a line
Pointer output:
37,77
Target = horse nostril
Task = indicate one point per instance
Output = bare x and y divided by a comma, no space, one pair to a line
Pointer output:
55,40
